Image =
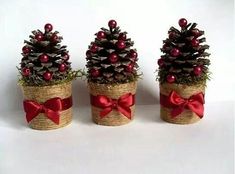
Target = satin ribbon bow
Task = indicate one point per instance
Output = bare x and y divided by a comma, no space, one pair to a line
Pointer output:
178,104
107,104
51,109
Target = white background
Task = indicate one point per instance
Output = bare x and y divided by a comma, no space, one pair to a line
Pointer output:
147,144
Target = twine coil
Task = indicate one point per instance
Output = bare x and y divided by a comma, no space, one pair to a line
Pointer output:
114,118
185,91
41,94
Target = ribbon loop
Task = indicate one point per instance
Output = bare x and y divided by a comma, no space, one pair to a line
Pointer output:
122,104
178,103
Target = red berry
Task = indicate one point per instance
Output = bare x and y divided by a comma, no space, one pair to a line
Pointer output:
170,78
112,24
113,58
39,37
62,67
121,44
66,56
43,58
88,53
47,76
196,32
25,71
95,72
26,50
101,35
182,22
122,36
54,38
160,62
48,27
195,42
172,35
93,48
175,52
197,70
130,67
133,54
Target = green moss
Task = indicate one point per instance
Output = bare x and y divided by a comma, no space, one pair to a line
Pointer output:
72,75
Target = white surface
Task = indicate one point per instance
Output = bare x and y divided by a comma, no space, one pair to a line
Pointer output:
147,23
145,146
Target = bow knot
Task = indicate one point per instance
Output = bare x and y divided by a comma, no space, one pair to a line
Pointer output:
114,103
178,103
122,104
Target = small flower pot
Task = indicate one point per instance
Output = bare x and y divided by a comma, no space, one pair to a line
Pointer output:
48,107
181,104
112,105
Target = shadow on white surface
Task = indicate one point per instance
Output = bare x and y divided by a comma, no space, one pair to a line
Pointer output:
146,114
14,120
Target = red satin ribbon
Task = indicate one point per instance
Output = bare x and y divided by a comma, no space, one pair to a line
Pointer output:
178,104
51,108
107,104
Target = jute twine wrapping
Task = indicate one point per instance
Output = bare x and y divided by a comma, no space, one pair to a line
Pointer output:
185,91
114,118
42,94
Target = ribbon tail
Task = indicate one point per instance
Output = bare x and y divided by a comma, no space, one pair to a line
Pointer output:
53,116
176,111
29,117
126,111
105,112
197,108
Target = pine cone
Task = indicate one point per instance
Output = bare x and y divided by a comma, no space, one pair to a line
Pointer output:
184,55
45,60
111,58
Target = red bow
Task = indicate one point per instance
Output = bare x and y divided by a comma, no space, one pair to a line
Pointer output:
178,104
51,108
122,104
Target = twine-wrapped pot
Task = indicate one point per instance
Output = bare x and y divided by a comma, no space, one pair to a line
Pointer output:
41,94
113,118
184,91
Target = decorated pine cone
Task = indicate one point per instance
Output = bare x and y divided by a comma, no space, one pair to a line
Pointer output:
184,59
45,61
111,58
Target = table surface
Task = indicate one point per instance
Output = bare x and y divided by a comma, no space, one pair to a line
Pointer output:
145,146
